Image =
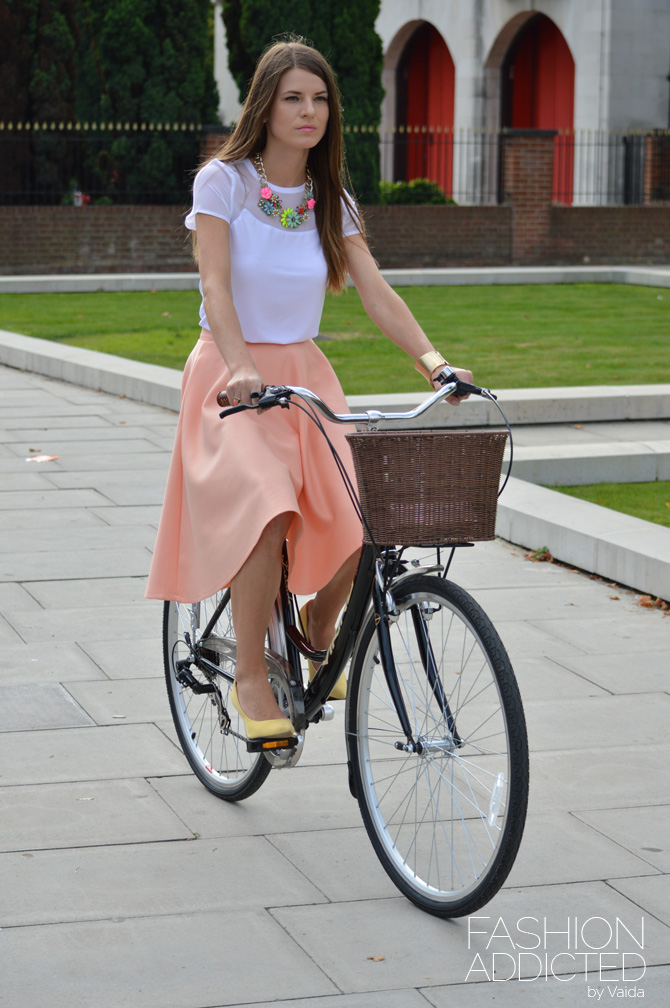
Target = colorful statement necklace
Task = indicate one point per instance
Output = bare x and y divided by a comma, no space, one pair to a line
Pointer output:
270,203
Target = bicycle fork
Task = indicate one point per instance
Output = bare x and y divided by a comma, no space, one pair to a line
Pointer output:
384,610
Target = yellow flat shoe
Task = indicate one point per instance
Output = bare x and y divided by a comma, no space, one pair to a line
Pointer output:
274,728
340,687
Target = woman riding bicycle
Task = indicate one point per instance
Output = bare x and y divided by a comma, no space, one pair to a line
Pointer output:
275,228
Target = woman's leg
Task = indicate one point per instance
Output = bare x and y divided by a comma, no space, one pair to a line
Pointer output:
323,611
253,592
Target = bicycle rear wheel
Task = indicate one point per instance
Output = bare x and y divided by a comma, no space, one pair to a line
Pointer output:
218,758
446,820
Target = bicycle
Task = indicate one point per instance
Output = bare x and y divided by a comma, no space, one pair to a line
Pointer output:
436,739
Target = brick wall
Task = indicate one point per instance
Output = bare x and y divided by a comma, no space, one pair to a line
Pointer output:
409,236
93,239
526,230
610,235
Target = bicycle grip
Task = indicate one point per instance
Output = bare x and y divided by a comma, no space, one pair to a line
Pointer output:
223,400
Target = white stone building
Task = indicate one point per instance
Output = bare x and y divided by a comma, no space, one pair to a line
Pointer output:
468,66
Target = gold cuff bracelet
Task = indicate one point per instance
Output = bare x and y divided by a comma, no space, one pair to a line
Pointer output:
430,362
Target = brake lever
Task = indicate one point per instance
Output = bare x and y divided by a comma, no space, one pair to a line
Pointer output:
462,388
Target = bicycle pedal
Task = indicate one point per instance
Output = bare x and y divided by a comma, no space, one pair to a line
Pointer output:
271,744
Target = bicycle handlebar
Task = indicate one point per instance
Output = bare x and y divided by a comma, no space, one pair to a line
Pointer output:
280,395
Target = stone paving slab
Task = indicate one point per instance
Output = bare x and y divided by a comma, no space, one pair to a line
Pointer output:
39,521
7,633
438,952
84,754
86,624
117,461
132,701
544,679
303,798
87,813
45,663
48,499
591,722
76,564
554,992
87,592
643,672
34,706
606,633
559,848
651,893
81,539
200,959
14,596
59,886
140,514
129,658
371,999
626,775
642,830
24,480
50,446
561,601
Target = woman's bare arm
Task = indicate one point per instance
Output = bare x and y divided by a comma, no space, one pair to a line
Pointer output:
214,260
385,308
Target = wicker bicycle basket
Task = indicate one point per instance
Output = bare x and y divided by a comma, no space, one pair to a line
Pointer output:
428,487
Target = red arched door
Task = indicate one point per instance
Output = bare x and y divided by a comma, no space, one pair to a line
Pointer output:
425,109
538,92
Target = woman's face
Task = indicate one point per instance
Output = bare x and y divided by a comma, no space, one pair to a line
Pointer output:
299,111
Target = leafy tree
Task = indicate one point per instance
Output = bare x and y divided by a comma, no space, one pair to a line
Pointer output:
37,83
146,61
344,31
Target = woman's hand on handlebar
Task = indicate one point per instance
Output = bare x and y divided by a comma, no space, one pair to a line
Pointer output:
245,386
463,375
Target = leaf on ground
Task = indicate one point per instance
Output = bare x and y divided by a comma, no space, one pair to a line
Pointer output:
649,602
541,554
615,597
377,958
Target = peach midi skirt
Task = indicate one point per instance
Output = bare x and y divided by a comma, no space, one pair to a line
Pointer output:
228,478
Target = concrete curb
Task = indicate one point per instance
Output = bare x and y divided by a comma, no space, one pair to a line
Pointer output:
648,276
624,549
627,550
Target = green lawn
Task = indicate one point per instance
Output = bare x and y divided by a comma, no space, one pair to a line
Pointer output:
511,336
650,501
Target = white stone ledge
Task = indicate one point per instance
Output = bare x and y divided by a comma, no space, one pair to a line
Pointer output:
616,546
611,462
147,383
648,276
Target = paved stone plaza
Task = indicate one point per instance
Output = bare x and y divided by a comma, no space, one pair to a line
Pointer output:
125,883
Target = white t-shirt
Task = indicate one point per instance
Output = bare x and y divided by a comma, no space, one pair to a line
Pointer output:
278,275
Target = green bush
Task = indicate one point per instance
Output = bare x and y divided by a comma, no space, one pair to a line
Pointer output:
419,190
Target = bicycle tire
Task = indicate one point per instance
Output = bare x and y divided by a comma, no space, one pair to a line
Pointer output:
446,822
219,759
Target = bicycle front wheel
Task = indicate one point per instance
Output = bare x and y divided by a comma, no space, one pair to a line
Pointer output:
218,758
445,819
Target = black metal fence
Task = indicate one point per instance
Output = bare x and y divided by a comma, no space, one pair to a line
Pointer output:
103,163
139,163
593,168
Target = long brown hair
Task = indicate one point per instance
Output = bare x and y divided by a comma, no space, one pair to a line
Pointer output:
326,160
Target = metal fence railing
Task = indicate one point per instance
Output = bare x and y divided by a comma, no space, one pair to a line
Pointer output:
107,162
115,162
619,167
590,167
